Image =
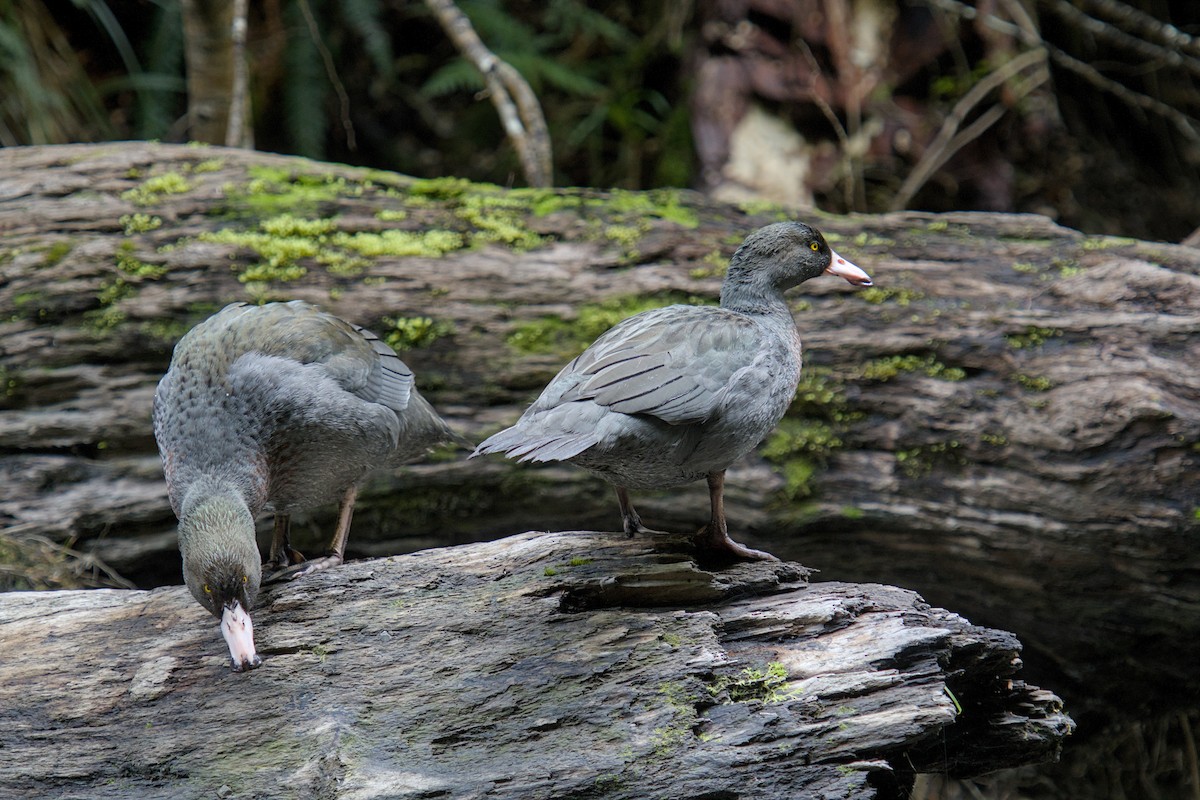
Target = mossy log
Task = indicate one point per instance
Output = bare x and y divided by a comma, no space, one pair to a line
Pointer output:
1008,422
537,666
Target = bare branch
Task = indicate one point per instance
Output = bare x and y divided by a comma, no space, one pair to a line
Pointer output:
1103,30
515,102
946,143
1141,22
1188,126
331,72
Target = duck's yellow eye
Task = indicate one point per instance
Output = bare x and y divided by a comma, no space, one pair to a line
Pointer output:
245,579
207,590
815,247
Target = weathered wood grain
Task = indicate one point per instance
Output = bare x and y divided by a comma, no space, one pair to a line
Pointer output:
537,666
1009,422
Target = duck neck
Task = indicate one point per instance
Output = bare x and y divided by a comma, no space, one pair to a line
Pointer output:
747,293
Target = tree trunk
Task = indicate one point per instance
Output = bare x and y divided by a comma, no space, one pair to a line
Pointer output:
539,666
1009,422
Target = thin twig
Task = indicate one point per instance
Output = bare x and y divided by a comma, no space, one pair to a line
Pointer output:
946,143
1143,23
518,107
1103,30
1189,748
331,72
1188,126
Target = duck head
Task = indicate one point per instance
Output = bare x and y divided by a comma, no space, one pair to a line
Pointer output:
222,571
786,254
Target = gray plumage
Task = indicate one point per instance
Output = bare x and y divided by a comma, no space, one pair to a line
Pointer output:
280,408
673,395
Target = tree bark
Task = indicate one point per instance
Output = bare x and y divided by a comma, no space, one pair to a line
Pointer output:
538,666
1009,422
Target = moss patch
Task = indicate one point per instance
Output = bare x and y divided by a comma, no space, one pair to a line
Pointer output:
767,685
556,335
407,333
890,294
154,188
1033,336
884,369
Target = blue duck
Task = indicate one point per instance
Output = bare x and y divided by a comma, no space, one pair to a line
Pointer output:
279,407
676,394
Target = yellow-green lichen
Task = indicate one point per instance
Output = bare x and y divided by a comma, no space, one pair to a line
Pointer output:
139,269
917,461
153,188
430,243
1034,383
139,223
55,253
406,333
889,294
766,685
285,225
555,334
800,436
716,264
391,215
884,369
1105,242
1032,336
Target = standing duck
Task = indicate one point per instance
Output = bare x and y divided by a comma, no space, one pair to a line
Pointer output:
278,407
676,394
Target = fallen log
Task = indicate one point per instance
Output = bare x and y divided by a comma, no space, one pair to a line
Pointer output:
537,666
1009,422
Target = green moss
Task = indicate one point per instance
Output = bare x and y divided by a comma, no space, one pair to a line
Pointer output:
152,189
139,269
1105,242
108,316
407,333
715,266
802,436
1034,383
917,461
430,243
937,225
765,685
754,208
554,334
994,439
579,561
391,215
891,294
1033,336
139,223
549,572
884,369
852,512
797,478
287,225
1025,267
668,738
272,191
168,331
208,165
55,253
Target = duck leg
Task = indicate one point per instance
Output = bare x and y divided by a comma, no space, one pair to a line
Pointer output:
337,547
713,539
630,521
282,552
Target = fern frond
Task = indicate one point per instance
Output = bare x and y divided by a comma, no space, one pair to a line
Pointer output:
363,17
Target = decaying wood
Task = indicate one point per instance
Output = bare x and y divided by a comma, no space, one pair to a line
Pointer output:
1008,423
538,666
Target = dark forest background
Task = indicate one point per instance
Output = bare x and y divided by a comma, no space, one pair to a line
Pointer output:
1083,110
